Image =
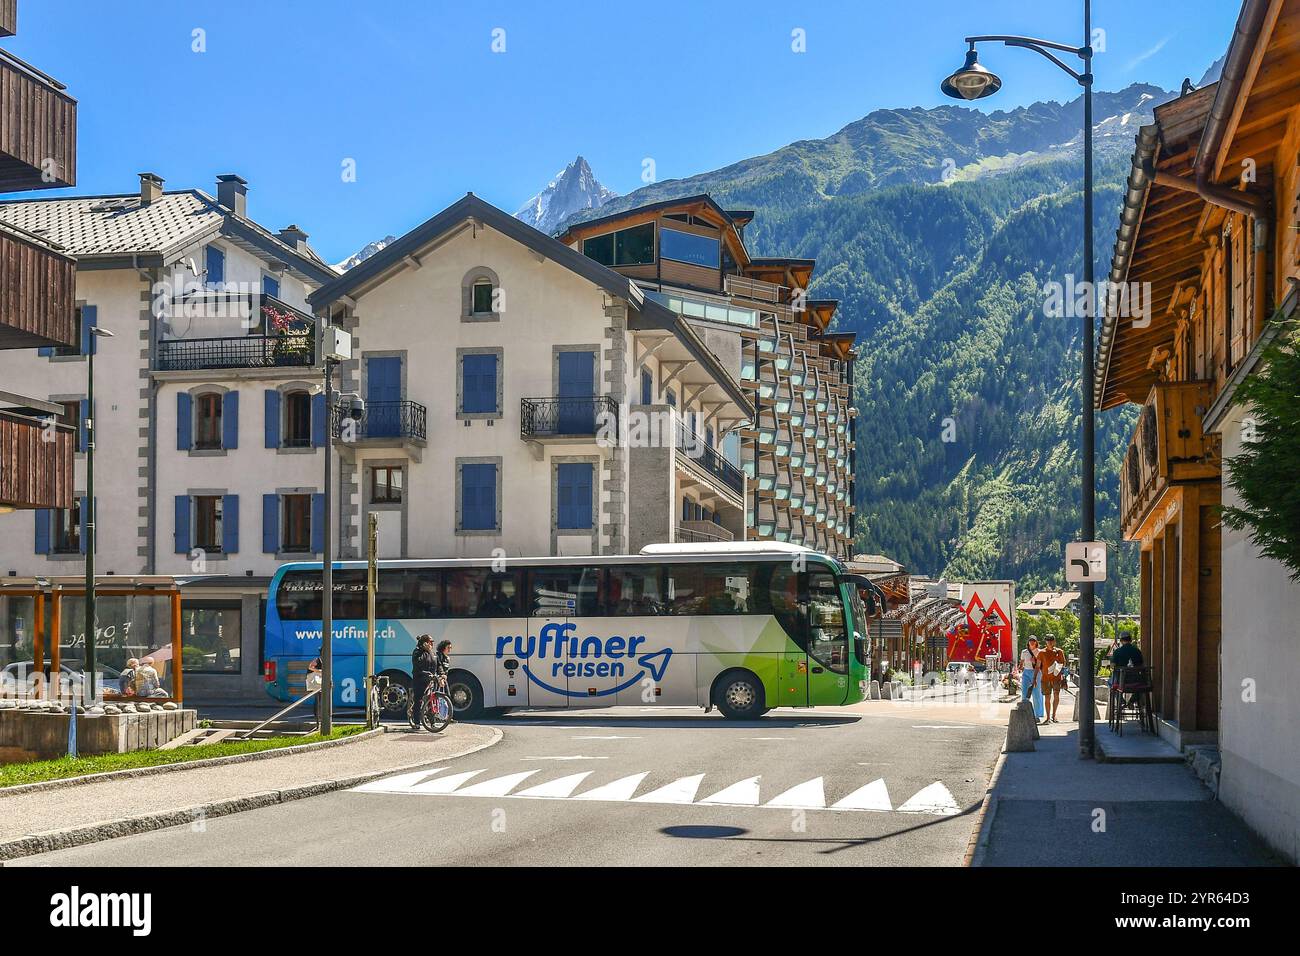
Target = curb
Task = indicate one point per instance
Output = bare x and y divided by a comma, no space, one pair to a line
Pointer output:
25,788
110,829
977,849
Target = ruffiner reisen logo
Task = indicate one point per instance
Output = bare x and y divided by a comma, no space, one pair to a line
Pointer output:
556,653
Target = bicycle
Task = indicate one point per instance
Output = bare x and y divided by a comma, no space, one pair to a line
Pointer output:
438,709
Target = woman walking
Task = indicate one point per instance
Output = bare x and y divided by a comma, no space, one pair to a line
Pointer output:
1031,678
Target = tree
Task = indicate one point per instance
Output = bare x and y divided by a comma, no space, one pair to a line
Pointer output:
1267,473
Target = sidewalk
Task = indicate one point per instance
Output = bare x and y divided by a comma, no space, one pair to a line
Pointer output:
1044,811
39,820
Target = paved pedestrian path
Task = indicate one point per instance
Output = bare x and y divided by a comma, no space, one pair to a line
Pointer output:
1051,808
39,812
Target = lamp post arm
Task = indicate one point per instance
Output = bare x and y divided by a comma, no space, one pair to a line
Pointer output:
1044,47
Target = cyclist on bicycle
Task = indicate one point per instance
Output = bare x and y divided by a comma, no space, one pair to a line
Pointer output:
424,670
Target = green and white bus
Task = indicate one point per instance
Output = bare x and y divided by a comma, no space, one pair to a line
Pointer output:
742,627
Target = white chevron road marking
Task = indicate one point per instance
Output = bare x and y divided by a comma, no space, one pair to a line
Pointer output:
556,789
497,787
621,789
679,791
873,797
933,799
809,795
743,793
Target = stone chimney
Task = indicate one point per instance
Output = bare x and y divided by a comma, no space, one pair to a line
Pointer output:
293,237
232,193
151,187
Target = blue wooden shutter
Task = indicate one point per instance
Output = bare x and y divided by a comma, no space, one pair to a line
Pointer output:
184,422
647,386
479,383
230,420
383,395
271,286
318,524
478,493
84,406
574,495
45,350
182,528
43,518
271,417
215,262
230,524
83,515
318,420
270,524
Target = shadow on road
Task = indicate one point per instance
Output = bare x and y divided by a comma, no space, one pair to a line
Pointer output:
709,721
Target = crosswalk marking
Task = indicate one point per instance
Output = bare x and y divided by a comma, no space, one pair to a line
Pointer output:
809,795
497,787
557,789
874,796
743,793
620,789
933,799
679,791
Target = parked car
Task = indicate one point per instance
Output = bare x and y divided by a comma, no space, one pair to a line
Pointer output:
25,671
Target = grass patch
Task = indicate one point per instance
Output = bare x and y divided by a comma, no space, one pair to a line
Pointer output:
38,771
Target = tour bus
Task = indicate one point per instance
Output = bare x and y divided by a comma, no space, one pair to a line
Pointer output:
744,627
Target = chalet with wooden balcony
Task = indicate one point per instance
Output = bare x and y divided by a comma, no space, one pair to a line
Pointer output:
754,312
38,150
1205,275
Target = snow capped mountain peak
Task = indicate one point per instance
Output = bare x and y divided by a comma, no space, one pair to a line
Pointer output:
364,253
573,189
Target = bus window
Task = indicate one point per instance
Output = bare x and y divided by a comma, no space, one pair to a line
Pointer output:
783,595
828,640
563,592
633,591
711,589
408,594
481,592
299,596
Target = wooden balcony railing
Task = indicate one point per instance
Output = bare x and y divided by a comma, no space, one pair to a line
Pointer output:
755,289
37,293
1168,447
8,17
35,462
38,129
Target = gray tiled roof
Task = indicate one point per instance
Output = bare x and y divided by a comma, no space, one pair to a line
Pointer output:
117,225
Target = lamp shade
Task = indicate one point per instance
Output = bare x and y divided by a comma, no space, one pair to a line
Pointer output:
972,81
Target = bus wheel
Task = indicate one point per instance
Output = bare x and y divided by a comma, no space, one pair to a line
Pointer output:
466,694
739,695
392,703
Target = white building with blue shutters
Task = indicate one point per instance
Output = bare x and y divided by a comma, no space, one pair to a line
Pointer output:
208,414
508,409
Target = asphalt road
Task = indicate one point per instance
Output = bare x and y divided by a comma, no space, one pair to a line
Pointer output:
859,786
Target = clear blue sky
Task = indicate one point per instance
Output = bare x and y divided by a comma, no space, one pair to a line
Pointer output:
412,90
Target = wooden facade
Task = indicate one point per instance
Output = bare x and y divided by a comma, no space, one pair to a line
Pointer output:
38,287
38,129
1209,252
35,463
38,150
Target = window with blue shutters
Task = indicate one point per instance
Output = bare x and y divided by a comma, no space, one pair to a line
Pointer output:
184,421
478,496
181,528
271,286
271,417
573,481
215,263
43,517
230,420
478,377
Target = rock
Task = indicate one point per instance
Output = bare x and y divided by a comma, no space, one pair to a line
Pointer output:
873,692
112,709
1022,728
170,705
7,704
97,710
128,708
886,690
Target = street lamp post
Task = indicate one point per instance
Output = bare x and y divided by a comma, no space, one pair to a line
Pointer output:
88,519
973,82
327,568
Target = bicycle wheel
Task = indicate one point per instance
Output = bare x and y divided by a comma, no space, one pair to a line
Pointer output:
437,713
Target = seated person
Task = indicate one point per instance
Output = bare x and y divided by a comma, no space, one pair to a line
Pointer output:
1126,655
495,603
147,681
126,679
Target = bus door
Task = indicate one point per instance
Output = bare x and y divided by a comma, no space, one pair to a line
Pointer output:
600,663
789,604
552,604
827,640
500,598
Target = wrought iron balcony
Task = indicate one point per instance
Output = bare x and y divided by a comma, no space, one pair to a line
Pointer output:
280,336
383,422
566,418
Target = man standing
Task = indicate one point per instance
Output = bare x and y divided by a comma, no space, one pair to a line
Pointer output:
1051,660
424,666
